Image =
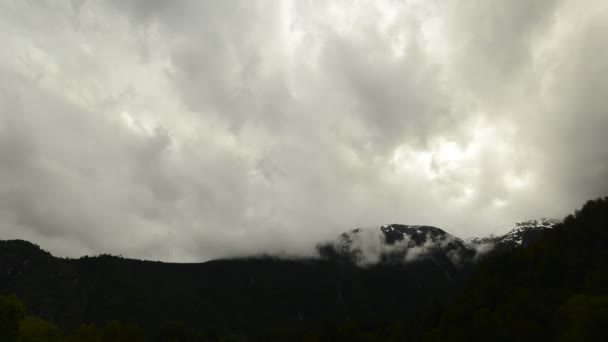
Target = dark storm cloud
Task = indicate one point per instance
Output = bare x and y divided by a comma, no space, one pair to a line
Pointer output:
188,130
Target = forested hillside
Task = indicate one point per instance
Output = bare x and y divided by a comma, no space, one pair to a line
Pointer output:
554,289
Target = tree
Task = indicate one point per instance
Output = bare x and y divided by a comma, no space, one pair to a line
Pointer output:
116,331
175,332
85,333
35,329
12,312
586,318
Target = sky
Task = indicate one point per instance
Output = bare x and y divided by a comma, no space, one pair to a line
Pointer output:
192,130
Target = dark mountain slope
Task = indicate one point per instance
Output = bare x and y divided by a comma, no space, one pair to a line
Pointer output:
365,275
233,295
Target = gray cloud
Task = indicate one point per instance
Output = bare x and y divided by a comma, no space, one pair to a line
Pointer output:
191,130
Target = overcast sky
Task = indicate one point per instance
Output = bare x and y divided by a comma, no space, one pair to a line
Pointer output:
190,130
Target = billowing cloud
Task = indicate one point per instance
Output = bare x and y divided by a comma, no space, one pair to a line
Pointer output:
190,130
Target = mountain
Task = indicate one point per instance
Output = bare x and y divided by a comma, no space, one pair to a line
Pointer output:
399,244
523,234
238,295
364,275
543,281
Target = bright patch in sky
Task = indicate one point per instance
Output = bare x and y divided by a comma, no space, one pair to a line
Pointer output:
444,163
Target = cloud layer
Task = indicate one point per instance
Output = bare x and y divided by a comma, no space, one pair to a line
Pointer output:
190,130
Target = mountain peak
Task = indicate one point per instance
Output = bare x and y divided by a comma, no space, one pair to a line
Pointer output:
523,233
397,244
526,231
416,233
